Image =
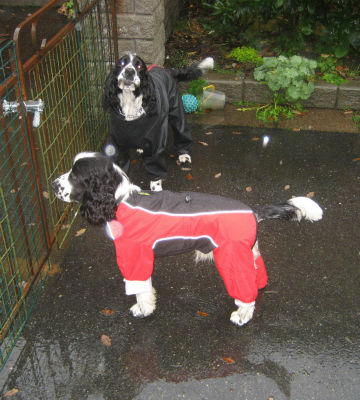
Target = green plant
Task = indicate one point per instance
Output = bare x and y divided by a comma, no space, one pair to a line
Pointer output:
227,18
196,87
333,77
326,63
288,78
67,8
246,55
356,119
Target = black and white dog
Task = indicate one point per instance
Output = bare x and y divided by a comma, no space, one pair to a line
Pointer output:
144,224
142,101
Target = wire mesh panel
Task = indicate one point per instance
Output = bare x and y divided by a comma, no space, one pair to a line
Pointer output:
66,74
70,78
23,245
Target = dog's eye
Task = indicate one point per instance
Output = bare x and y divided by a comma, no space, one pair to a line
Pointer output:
139,67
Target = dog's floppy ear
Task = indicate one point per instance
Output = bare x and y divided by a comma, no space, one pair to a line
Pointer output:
148,92
98,203
110,100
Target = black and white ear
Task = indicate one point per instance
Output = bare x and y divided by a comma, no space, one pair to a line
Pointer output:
110,100
99,203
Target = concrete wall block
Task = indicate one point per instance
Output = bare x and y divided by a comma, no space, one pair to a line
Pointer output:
147,6
349,96
131,26
256,93
324,96
234,90
126,45
125,6
152,51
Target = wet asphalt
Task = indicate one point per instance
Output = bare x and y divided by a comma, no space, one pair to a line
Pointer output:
303,342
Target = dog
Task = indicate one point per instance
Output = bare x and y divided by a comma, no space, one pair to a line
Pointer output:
142,101
147,224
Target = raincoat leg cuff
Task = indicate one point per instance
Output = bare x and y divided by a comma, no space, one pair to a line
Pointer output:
136,287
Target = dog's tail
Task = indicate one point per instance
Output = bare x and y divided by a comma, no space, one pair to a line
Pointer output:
194,71
295,209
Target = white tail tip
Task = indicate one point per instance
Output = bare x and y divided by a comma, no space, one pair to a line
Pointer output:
206,64
307,208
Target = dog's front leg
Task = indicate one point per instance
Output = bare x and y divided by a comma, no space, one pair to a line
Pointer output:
145,304
243,314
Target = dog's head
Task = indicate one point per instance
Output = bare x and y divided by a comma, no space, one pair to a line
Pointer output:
95,182
129,71
129,74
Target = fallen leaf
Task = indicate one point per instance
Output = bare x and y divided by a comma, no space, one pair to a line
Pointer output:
54,269
255,139
172,155
185,169
310,194
106,340
11,392
189,177
209,133
228,360
217,175
296,129
45,195
236,133
203,143
286,187
356,159
202,313
107,311
134,161
80,232
349,112
248,188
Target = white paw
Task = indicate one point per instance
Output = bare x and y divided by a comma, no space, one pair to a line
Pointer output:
183,158
156,186
146,304
243,314
142,311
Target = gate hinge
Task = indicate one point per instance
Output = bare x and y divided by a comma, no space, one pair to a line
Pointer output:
34,106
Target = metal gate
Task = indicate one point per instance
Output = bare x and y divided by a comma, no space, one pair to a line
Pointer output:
50,110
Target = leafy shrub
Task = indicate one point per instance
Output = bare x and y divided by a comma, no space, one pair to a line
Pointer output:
196,87
229,17
333,23
246,55
286,77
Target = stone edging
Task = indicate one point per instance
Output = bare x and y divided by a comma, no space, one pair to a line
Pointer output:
326,95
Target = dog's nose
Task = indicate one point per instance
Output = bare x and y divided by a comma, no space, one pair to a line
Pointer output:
129,74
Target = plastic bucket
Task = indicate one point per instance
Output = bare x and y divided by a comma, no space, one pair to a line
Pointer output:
212,99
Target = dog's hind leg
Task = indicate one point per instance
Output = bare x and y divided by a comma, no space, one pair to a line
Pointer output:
145,304
243,314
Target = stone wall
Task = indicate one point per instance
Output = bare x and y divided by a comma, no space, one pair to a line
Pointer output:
144,26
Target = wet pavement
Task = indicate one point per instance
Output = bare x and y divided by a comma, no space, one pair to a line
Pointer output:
303,342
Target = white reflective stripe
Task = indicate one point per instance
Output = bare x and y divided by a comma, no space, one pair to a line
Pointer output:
188,215
135,287
108,231
184,238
